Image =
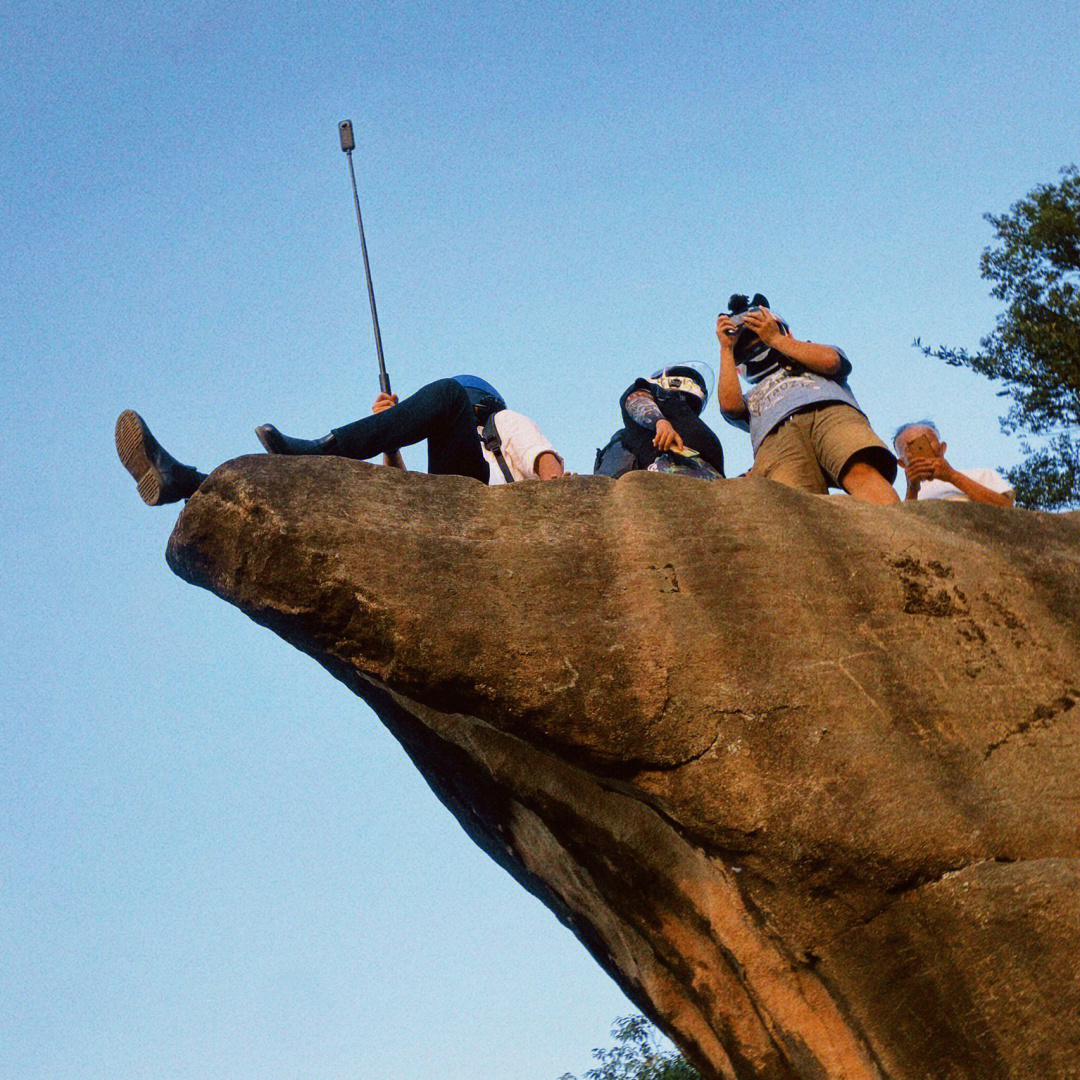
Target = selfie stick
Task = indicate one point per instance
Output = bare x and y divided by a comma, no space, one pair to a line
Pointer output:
348,144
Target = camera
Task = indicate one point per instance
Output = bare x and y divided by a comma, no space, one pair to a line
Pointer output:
738,320
739,306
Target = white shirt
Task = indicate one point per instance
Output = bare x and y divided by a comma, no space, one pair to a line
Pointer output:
522,443
942,489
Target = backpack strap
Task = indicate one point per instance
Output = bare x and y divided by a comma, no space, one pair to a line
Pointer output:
493,444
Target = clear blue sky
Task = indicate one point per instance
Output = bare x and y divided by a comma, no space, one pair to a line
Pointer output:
215,861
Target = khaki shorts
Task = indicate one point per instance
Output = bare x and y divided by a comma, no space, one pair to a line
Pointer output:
811,449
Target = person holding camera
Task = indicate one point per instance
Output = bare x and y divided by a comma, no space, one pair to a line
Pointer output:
929,476
806,428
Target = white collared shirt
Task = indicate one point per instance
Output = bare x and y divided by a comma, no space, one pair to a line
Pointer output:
522,444
942,489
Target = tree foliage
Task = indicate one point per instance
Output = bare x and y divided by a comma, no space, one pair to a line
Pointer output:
637,1055
1034,349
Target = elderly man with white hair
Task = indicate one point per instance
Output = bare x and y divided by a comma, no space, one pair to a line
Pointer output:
921,452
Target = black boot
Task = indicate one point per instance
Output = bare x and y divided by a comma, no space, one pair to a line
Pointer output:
160,477
276,443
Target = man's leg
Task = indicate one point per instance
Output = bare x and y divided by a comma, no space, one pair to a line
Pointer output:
439,412
862,480
786,456
852,455
159,476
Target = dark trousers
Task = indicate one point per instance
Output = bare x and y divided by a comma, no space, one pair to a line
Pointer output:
439,412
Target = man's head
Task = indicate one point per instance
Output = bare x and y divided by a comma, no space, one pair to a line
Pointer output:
918,439
484,397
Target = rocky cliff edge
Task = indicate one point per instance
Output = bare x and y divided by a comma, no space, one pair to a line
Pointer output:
801,773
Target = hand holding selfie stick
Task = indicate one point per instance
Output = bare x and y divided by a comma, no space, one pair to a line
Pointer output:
348,144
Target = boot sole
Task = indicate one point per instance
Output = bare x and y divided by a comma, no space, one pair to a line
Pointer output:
135,444
266,433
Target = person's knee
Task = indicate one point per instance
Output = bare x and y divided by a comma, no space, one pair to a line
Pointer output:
863,478
449,396
875,459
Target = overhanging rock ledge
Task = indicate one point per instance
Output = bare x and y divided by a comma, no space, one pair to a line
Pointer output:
802,774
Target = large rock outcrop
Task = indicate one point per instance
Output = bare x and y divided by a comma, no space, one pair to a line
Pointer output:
801,773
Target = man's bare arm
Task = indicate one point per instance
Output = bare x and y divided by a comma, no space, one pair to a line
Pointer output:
938,468
980,493
548,466
381,404
822,359
728,389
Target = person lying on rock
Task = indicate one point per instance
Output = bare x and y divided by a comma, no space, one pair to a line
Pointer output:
806,428
929,476
468,428
662,427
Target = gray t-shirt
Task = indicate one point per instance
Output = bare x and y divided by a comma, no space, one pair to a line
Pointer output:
775,392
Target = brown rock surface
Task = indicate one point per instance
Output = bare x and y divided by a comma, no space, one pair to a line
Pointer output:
802,774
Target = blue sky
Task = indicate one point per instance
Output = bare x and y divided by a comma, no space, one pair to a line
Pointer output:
217,864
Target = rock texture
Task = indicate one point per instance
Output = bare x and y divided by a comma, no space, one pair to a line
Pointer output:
801,773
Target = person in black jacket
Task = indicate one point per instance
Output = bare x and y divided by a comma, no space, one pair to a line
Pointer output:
662,427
